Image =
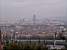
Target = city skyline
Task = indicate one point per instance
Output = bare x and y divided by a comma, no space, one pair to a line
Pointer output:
10,9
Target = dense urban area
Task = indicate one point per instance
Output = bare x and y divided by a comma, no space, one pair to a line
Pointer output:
33,36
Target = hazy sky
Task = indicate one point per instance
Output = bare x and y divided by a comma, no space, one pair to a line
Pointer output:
10,9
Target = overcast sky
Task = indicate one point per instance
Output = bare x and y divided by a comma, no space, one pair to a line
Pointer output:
10,9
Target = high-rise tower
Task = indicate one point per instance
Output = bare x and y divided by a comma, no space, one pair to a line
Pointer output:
34,19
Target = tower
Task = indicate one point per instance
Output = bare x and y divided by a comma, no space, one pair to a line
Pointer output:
23,21
34,19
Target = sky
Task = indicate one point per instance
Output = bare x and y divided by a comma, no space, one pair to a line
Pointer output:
11,10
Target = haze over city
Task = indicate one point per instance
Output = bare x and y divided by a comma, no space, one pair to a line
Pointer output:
33,24
12,10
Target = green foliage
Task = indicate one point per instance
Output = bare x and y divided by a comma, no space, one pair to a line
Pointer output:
15,46
65,45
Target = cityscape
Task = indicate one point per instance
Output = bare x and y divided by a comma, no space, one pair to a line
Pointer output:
53,34
33,25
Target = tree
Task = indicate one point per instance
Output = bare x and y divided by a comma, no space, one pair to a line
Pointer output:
65,44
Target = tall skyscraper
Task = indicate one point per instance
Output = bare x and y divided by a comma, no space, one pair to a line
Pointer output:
34,19
23,21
